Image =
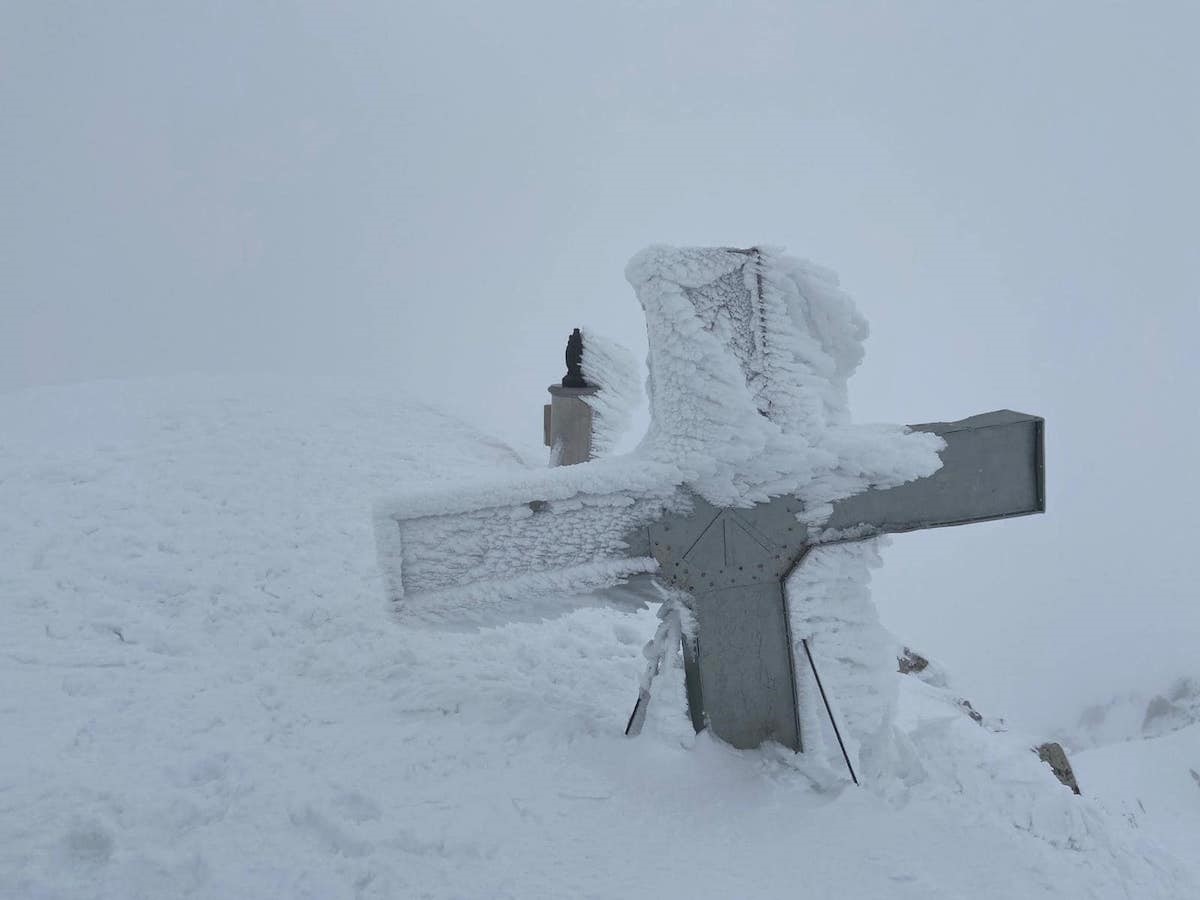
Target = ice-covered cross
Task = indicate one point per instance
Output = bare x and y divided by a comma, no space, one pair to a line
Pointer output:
750,472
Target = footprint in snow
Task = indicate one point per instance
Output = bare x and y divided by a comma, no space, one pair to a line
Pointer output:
88,844
357,808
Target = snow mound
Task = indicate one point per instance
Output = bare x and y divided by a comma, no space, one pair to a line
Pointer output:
205,697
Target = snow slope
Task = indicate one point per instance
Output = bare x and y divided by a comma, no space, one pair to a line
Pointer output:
205,695
1154,783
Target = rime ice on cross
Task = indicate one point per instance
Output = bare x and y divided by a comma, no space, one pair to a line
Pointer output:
750,462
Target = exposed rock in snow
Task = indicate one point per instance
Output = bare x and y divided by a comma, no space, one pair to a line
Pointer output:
1178,708
1053,755
909,662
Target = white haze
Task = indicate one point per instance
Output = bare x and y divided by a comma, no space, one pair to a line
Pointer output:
437,193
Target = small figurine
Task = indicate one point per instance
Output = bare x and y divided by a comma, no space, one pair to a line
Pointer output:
574,377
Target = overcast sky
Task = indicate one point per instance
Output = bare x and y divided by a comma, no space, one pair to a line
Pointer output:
435,193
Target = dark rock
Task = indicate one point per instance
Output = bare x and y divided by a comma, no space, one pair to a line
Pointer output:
1184,689
1158,708
911,662
1053,755
971,711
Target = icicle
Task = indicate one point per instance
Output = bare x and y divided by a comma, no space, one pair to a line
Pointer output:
612,368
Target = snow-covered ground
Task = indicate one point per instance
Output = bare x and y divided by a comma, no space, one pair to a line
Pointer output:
1154,783
205,694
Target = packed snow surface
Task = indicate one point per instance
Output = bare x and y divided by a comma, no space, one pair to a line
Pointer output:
207,695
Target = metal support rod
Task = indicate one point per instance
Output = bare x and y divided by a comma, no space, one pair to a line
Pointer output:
832,720
634,726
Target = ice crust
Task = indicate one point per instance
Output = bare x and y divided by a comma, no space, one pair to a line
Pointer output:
612,368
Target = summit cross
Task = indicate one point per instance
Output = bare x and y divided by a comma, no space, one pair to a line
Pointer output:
750,464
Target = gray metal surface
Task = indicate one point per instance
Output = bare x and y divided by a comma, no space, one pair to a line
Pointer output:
740,668
745,665
714,549
992,468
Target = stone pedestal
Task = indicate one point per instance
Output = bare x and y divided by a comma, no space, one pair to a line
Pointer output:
568,425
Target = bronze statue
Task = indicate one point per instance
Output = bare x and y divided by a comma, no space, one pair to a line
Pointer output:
574,377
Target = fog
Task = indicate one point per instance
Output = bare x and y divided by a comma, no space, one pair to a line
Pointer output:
435,194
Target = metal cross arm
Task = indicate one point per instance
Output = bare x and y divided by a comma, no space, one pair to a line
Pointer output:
523,548
993,467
